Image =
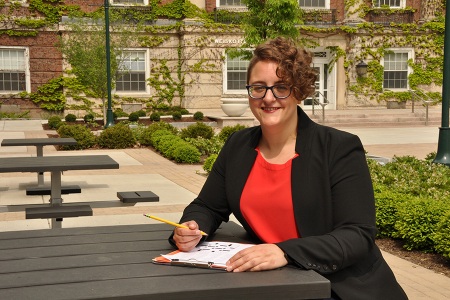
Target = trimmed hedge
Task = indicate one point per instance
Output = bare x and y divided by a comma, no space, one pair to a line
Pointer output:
84,137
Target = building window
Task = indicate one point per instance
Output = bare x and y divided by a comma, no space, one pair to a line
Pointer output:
236,74
314,4
390,3
396,69
133,72
13,70
129,2
220,3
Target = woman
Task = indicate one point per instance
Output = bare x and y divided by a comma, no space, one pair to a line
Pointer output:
302,189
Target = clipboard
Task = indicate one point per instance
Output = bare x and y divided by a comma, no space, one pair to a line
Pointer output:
208,255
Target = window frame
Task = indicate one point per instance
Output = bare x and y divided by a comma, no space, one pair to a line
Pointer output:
231,6
147,73
26,53
326,6
402,4
145,3
409,70
225,80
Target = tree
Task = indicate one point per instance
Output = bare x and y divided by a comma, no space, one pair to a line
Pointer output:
268,19
84,49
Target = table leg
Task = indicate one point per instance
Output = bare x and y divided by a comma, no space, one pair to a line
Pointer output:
55,195
40,175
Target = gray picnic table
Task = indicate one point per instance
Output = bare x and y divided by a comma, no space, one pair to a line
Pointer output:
114,262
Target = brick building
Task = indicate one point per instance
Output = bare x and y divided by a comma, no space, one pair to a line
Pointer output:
393,42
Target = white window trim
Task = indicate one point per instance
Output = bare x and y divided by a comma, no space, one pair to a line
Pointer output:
128,4
410,52
27,70
402,4
230,6
225,79
147,75
327,6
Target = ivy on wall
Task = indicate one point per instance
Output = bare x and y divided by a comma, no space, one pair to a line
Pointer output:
167,78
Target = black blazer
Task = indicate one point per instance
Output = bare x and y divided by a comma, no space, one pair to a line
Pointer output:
334,207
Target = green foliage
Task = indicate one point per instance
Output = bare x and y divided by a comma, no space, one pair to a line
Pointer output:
146,136
206,146
209,162
84,137
50,95
141,113
176,115
417,221
269,19
186,153
119,113
198,129
133,117
228,130
155,117
70,118
173,147
118,136
415,177
54,122
198,115
89,118
441,236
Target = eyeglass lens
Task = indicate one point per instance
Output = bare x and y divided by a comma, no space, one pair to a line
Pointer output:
259,91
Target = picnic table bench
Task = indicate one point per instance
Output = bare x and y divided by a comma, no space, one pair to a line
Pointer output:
56,164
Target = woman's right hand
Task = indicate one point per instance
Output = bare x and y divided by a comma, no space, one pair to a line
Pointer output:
187,239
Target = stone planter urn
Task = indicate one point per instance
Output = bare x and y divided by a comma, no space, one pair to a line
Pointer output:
234,107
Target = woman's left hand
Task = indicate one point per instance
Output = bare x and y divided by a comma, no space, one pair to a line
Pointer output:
257,258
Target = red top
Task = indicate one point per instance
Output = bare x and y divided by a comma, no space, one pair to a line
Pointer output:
266,201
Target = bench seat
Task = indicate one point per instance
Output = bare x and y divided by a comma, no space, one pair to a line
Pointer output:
46,190
58,212
139,196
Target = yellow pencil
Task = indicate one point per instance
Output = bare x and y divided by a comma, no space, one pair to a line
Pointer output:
171,223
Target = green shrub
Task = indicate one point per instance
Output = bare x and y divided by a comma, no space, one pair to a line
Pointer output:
228,130
89,118
118,136
133,117
417,221
84,137
205,146
184,111
176,115
186,153
155,117
197,130
146,136
198,116
70,118
157,135
119,113
54,122
141,113
209,162
386,207
441,236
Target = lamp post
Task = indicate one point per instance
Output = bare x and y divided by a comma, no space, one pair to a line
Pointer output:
443,152
109,113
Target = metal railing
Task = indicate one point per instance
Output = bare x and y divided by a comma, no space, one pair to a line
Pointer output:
316,101
425,100
319,16
386,17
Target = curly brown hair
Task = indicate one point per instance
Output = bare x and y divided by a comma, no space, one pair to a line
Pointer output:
294,65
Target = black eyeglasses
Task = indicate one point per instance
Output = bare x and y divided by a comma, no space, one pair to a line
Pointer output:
279,91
